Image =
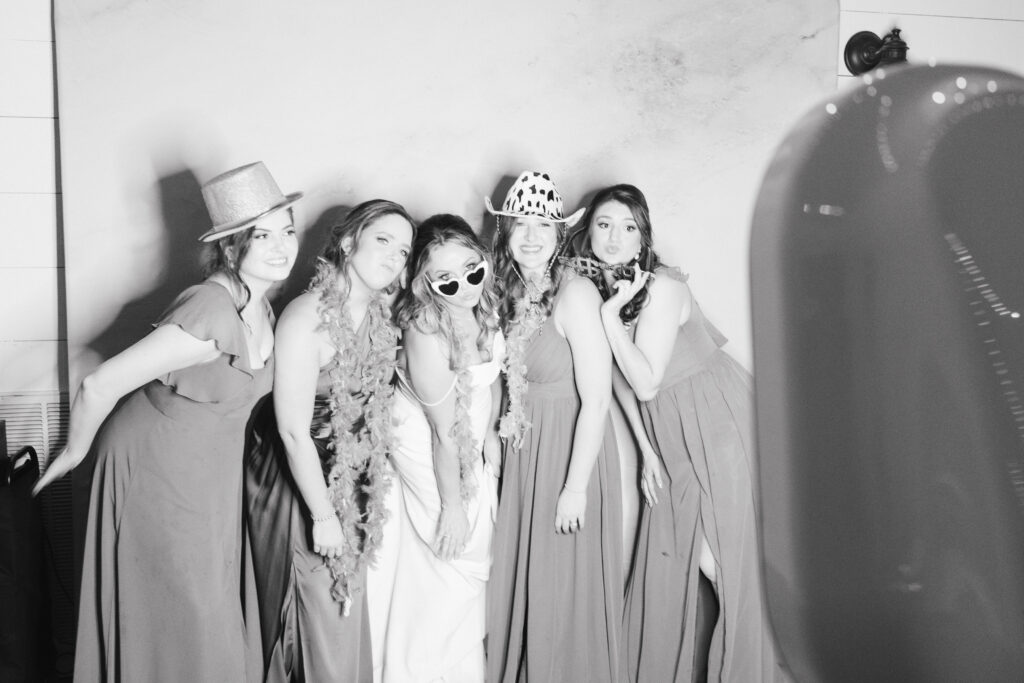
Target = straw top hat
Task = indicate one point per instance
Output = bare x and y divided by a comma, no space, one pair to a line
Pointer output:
240,197
534,194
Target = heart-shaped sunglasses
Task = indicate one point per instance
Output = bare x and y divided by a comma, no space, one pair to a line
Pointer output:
471,278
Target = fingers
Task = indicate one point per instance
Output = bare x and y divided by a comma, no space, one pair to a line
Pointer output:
568,525
447,548
652,495
327,551
39,486
646,490
42,482
629,288
52,474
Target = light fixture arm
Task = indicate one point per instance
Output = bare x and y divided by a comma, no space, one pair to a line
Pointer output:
865,50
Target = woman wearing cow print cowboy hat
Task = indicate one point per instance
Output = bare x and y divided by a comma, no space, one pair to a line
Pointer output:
555,594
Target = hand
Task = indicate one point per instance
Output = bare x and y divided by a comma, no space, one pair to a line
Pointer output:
625,290
328,539
651,477
570,511
65,461
452,532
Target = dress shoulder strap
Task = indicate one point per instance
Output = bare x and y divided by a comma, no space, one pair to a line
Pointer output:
406,387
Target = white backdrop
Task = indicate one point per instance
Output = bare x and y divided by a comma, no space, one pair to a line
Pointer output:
432,104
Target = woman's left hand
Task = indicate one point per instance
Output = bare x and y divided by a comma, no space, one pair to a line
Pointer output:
651,477
625,290
570,511
452,532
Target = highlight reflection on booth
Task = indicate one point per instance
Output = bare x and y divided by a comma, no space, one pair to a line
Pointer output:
889,361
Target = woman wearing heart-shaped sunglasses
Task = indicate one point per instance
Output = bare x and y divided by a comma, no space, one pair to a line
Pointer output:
427,596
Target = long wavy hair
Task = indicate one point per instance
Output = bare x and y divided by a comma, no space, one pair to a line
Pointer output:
508,280
225,256
332,261
580,246
421,307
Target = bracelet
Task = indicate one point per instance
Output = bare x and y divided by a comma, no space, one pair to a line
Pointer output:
324,518
572,490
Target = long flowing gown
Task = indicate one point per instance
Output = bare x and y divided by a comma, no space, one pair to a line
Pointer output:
306,636
166,579
432,624
554,609
701,423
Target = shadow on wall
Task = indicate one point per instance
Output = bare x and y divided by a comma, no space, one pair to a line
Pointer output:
490,223
184,219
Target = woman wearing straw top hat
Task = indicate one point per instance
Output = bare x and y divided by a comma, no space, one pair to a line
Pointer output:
445,448
554,608
697,409
316,469
166,567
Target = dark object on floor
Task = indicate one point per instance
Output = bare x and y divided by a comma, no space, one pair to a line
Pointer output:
25,643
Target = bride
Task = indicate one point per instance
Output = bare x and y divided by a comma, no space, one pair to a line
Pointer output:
427,598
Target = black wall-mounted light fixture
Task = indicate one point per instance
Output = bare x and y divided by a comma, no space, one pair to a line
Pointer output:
865,50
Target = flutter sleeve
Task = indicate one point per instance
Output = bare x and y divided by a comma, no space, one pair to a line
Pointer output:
716,335
207,312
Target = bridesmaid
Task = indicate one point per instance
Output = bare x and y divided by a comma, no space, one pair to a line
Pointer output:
445,449
696,404
554,608
316,473
165,564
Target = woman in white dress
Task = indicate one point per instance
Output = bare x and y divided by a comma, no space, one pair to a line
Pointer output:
427,598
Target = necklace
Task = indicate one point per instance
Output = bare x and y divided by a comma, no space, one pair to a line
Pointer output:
534,290
514,424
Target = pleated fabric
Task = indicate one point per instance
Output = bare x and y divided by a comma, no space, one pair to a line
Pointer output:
306,636
428,615
701,422
555,600
167,586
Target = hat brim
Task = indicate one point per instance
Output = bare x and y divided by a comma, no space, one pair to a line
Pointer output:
226,229
569,221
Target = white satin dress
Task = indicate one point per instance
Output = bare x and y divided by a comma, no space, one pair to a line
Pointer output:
427,616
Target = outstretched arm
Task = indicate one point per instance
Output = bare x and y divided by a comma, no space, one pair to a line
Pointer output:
578,319
165,349
643,362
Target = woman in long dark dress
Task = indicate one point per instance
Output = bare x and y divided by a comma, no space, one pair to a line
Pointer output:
316,473
696,405
554,600
165,572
